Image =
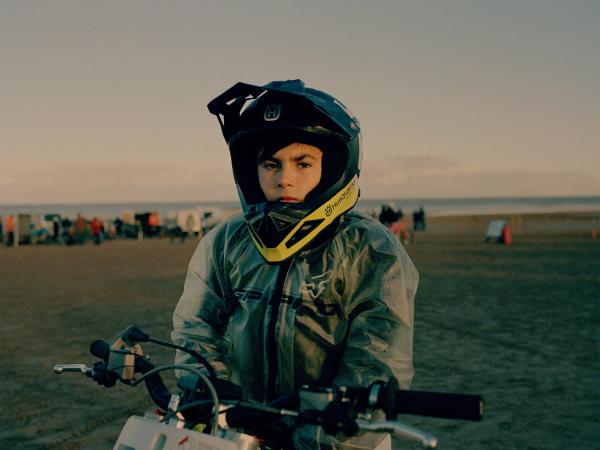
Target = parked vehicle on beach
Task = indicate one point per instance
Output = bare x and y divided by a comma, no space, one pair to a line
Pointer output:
208,413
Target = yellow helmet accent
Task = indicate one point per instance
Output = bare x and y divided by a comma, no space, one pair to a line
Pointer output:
337,205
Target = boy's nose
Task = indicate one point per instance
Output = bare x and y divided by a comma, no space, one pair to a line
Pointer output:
286,177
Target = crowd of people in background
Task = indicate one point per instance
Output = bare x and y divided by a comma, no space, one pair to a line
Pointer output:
17,229
55,229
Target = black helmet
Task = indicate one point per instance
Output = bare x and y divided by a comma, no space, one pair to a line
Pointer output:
263,119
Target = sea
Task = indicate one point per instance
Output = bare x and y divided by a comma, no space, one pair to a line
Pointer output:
433,206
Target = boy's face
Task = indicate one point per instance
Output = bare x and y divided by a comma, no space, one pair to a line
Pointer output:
290,173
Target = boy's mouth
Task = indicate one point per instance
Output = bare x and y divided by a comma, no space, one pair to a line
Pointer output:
288,199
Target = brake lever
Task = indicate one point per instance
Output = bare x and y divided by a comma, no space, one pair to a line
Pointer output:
401,429
81,368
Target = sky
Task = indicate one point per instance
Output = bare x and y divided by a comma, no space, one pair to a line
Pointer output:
105,101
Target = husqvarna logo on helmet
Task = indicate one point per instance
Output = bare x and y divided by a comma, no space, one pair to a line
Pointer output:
272,112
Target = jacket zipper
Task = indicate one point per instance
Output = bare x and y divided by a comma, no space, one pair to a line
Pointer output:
275,302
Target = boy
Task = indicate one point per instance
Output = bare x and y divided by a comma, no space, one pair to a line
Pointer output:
297,290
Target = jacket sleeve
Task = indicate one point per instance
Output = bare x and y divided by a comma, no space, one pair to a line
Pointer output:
381,282
202,313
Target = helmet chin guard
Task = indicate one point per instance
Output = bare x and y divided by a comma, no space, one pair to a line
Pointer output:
254,118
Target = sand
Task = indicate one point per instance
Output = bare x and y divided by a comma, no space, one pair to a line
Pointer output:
518,324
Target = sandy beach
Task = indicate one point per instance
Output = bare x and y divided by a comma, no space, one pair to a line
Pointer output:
517,324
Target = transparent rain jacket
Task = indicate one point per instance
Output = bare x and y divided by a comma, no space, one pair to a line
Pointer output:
341,313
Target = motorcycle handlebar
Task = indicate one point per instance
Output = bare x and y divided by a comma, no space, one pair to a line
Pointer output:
384,396
438,404
421,403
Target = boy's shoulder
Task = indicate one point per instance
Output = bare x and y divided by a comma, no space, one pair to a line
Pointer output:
228,228
362,223
360,229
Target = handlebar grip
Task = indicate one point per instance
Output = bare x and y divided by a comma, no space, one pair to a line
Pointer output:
438,404
100,349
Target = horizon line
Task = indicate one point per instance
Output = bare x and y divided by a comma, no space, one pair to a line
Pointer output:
360,198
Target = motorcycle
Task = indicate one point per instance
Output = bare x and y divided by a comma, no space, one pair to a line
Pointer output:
210,413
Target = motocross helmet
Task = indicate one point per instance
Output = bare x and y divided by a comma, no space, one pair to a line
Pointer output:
259,120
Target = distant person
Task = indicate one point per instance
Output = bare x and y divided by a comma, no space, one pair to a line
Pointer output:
174,231
96,227
139,230
190,225
401,231
388,214
55,230
394,220
419,220
153,224
10,230
80,230
118,227
68,233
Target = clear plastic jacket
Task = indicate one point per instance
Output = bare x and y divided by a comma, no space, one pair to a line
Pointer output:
343,315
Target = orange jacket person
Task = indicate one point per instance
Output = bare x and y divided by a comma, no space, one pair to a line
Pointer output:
10,230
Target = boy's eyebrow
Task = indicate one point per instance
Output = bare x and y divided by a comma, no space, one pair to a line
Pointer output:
271,158
304,156
296,158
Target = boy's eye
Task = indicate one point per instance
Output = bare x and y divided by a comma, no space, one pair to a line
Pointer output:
305,165
270,165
